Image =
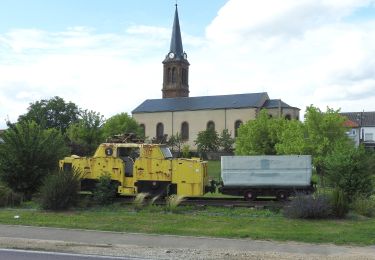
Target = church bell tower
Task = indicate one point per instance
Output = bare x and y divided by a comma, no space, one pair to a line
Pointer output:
176,66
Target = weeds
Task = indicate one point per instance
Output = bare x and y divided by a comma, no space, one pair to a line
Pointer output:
139,200
172,202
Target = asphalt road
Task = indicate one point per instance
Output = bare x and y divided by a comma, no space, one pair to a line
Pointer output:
11,254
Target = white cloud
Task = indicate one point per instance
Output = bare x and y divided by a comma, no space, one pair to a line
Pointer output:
302,51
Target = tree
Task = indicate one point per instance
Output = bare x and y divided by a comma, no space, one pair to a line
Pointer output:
28,154
121,124
52,113
323,132
175,141
351,170
226,141
207,141
292,139
259,136
87,132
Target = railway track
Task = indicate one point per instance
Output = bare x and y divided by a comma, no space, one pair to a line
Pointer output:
260,203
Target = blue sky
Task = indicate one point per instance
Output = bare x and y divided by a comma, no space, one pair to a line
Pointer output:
105,15
105,55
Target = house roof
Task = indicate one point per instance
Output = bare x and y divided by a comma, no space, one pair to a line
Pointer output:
255,100
361,118
276,103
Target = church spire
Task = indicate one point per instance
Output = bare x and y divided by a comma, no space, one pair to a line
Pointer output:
176,65
176,40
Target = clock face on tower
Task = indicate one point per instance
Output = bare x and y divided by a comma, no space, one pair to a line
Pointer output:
171,55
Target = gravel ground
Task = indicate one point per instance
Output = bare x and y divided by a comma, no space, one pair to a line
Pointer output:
169,253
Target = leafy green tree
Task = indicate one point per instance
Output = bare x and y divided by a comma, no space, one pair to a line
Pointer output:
176,142
207,141
226,141
323,131
87,132
259,136
28,154
121,124
351,170
52,113
292,139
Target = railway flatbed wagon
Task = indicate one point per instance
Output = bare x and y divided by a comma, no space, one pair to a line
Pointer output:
253,176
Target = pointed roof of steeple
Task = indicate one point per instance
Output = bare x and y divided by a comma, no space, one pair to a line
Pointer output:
176,40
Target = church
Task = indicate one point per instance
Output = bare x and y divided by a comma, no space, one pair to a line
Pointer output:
176,112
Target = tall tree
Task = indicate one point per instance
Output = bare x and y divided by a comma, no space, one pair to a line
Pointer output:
52,113
87,132
259,136
207,141
28,154
121,124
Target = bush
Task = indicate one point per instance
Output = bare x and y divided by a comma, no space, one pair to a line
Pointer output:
186,151
309,207
364,206
9,198
60,190
340,204
105,190
27,155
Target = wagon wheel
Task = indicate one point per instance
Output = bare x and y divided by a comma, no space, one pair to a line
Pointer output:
282,195
250,195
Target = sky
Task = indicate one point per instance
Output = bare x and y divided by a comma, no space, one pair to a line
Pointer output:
105,55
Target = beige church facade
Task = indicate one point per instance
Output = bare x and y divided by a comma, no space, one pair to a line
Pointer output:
176,112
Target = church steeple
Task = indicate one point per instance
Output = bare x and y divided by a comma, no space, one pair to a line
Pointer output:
176,65
176,40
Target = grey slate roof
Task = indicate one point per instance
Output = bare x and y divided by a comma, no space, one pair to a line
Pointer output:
176,40
275,103
202,103
361,118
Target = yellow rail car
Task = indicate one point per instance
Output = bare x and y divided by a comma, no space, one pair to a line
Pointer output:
137,168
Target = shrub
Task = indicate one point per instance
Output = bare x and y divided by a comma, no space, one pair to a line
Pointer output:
60,190
309,207
186,151
105,190
364,206
351,170
27,155
340,205
9,197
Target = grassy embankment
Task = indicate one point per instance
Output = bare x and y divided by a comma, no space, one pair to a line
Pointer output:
217,222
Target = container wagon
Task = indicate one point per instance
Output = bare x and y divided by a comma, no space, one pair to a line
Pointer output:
266,175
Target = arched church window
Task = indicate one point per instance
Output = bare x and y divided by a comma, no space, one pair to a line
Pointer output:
143,129
185,131
169,76
237,125
174,76
184,76
159,131
210,125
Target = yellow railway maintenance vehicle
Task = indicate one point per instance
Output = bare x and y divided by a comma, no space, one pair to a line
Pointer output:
136,168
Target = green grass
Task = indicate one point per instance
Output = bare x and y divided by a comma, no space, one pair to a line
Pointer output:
215,222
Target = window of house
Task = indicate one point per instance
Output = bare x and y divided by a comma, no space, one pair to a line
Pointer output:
185,131
159,130
237,125
288,117
211,125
